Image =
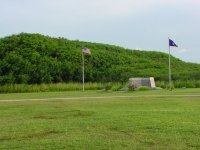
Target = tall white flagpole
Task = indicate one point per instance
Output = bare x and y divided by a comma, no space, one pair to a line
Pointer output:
83,72
170,78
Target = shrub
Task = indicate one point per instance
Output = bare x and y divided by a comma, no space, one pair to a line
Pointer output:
117,86
161,84
197,84
143,88
108,86
131,87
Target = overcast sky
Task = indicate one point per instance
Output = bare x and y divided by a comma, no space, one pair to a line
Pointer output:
134,24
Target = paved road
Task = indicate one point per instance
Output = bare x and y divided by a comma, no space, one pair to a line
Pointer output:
94,97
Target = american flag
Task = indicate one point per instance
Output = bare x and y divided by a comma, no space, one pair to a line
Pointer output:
86,50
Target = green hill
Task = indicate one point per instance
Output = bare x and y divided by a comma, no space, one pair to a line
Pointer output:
34,58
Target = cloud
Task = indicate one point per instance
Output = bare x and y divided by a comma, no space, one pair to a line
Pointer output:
130,23
120,8
80,10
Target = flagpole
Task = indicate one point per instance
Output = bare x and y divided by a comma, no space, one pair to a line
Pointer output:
170,78
83,72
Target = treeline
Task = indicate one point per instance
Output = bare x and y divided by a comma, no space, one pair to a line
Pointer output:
35,59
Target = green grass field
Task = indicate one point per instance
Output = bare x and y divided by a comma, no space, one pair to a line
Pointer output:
143,122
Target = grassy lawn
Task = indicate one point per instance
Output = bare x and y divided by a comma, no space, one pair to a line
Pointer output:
195,91
110,123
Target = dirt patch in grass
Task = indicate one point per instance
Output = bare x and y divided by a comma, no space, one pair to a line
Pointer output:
64,114
30,136
122,131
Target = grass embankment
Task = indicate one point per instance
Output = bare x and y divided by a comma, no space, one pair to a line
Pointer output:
97,93
110,123
59,87
179,84
26,88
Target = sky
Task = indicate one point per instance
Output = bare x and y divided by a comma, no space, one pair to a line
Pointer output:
133,24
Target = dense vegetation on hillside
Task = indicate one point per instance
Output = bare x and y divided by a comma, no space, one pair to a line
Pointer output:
34,58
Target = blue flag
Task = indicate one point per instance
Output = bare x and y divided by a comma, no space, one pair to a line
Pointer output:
171,43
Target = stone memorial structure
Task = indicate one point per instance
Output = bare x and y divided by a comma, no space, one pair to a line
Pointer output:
137,82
